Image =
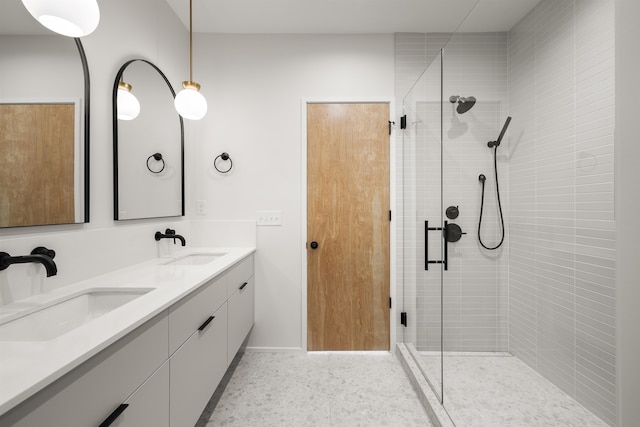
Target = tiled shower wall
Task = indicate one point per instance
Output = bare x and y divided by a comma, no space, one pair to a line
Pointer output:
475,285
559,314
561,219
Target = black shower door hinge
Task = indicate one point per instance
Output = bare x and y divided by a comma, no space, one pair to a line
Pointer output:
403,122
403,318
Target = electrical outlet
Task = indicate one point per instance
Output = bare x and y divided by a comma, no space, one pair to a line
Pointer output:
269,218
201,207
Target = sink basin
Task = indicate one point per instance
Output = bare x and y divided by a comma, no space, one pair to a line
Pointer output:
63,316
196,259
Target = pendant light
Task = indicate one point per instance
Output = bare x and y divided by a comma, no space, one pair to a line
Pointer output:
189,102
71,18
128,104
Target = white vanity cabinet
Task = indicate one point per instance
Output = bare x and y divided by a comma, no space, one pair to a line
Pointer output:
198,347
162,373
241,294
90,393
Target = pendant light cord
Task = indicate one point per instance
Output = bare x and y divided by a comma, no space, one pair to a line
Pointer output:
495,168
190,40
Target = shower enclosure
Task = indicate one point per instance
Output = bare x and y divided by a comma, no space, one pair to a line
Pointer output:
522,298
454,289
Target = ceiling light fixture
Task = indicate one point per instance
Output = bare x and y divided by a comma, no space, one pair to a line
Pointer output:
128,104
189,102
71,18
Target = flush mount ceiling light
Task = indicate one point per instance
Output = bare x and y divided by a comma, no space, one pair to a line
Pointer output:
71,18
189,102
128,105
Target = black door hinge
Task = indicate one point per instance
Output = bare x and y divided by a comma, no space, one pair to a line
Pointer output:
403,122
389,302
389,215
403,318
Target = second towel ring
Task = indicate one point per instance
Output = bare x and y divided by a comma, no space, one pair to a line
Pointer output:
158,158
224,157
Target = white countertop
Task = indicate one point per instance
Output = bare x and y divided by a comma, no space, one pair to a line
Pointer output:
26,367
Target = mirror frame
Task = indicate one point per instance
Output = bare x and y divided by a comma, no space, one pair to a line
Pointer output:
87,115
85,144
114,103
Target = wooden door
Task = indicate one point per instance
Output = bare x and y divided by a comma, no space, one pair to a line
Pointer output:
37,164
348,217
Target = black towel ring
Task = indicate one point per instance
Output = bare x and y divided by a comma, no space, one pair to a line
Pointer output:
157,157
224,157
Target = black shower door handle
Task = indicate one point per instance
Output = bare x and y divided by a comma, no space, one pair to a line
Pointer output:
427,261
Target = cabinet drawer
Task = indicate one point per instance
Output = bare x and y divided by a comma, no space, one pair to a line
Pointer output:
187,315
239,274
149,405
88,394
196,369
241,317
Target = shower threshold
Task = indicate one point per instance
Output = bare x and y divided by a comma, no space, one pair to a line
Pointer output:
493,389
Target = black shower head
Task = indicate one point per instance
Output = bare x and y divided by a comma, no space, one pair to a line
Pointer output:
464,104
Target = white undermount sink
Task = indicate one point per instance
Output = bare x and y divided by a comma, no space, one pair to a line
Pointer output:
65,315
196,259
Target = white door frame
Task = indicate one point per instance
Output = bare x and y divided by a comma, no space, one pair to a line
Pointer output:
392,204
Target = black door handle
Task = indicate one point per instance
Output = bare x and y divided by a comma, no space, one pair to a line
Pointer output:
314,245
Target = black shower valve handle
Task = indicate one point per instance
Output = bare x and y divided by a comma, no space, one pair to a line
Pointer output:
482,178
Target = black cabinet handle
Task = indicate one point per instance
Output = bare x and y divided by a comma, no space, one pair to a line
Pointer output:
115,414
243,285
206,323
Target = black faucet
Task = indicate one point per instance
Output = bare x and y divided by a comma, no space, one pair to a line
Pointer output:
40,254
170,234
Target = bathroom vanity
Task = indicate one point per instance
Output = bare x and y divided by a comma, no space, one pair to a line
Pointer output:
154,359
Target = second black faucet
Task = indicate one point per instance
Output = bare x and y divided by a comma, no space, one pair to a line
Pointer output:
170,234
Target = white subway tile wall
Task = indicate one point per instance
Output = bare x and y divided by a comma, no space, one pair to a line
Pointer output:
562,260
548,296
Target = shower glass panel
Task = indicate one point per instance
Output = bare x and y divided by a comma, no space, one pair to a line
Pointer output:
475,295
422,219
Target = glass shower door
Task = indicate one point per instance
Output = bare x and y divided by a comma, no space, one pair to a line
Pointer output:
422,223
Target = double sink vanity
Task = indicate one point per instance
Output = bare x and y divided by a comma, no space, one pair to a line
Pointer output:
145,345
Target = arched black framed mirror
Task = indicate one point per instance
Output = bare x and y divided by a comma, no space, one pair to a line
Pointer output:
44,124
148,150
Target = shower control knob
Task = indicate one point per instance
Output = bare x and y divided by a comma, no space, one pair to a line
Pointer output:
452,212
452,233
314,245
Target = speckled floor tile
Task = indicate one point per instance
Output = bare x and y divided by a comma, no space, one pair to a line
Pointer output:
317,389
494,390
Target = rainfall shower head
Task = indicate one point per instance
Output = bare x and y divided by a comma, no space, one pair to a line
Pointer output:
464,104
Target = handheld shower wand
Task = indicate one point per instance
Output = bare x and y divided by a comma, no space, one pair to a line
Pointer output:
493,144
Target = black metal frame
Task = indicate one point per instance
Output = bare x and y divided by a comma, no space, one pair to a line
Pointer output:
114,106
87,133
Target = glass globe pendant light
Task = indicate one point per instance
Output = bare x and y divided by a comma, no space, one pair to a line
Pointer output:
71,18
189,102
128,104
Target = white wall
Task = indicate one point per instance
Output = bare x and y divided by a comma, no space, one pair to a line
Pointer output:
254,85
147,29
627,208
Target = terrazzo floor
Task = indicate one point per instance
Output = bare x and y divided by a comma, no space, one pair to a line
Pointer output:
498,389
315,389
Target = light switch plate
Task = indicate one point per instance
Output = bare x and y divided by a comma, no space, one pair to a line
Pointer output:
267,218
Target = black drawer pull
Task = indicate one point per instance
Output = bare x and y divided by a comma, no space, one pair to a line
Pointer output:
206,323
243,285
115,414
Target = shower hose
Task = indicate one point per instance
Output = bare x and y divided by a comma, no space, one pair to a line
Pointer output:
482,179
